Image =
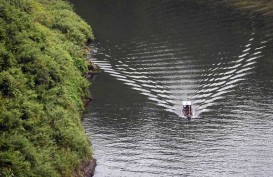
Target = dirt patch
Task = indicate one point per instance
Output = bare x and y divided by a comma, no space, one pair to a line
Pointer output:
86,169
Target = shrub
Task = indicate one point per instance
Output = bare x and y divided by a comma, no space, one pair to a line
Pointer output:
42,86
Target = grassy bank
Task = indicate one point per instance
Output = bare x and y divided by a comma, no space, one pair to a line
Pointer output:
263,7
42,87
257,7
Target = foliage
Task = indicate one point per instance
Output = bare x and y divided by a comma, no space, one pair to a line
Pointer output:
42,85
258,7
264,7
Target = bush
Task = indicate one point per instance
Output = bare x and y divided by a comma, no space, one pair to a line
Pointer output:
42,86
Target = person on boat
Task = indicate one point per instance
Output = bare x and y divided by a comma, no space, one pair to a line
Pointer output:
186,109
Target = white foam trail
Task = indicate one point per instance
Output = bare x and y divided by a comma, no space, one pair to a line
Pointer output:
118,75
250,63
235,66
259,48
149,86
207,90
143,81
244,70
96,61
230,72
104,66
234,81
238,76
154,99
238,61
247,45
247,49
141,89
204,110
132,84
253,58
121,69
126,80
218,84
132,69
159,86
125,65
171,101
223,78
138,77
256,53
226,88
149,95
160,91
212,100
220,93
206,105
205,95
108,70
243,55
163,96
171,108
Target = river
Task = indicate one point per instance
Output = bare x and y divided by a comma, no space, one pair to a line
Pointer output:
154,54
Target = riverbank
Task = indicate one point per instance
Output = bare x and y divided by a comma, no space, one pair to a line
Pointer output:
256,7
43,87
262,7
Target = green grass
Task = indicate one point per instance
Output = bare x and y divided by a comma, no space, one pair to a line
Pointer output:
42,87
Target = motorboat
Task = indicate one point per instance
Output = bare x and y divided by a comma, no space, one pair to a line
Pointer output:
187,109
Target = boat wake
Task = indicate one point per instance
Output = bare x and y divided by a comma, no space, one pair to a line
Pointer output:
167,75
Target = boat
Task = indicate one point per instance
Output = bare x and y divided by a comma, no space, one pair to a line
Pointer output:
187,109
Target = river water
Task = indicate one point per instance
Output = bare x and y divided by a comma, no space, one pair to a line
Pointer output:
153,55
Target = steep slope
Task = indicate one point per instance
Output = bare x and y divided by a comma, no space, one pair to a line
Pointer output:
42,87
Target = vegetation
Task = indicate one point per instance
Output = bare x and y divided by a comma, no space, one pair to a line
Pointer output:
264,7
42,86
261,7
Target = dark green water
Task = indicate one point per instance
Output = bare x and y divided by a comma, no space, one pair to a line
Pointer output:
155,53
